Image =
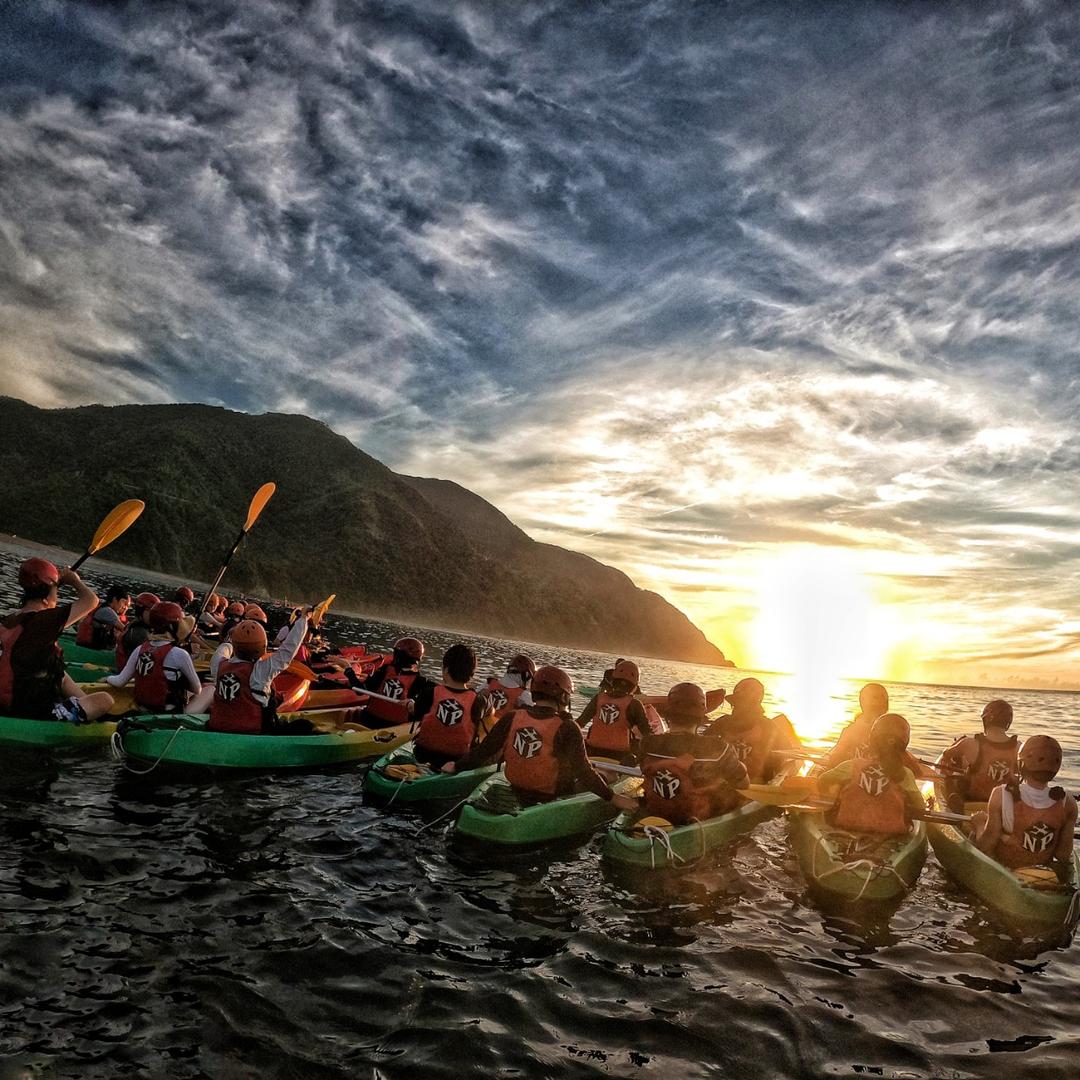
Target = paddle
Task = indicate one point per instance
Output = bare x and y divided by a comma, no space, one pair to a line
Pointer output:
320,611
928,772
260,499
116,523
299,668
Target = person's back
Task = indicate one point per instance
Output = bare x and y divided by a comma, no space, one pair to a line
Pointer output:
976,764
450,713
162,670
754,735
616,719
854,740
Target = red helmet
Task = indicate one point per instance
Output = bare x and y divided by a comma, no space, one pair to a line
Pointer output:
410,646
626,670
146,600
686,699
522,664
997,713
183,595
552,682
253,611
751,691
235,608
890,728
249,638
1040,753
164,615
36,572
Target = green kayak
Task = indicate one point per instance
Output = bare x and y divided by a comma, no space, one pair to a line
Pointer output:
14,729
423,786
80,654
1024,906
855,867
494,815
182,740
627,846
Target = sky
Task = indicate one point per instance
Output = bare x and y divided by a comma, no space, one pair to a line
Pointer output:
771,306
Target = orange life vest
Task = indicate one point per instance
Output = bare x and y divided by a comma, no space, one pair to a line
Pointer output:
503,698
448,726
609,732
1034,837
234,707
995,765
395,684
752,745
871,802
529,753
670,792
154,691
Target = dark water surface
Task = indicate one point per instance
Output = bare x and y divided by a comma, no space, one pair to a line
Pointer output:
276,926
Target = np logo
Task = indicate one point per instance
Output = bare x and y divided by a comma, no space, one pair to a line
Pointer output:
145,664
1038,838
862,751
609,714
998,771
873,780
742,750
228,686
527,742
499,700
392,688
450,712
666,784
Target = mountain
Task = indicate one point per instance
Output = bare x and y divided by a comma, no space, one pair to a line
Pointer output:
420,550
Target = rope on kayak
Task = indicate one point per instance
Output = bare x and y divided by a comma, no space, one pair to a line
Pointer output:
873,869
121,755
442,817
655,835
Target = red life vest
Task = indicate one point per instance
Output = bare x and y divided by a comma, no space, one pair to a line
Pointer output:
1034,837
753,745
448,726
32,683
995,765
8,636
85,634
234,707
529,759
871,802
394,684
670,792
503,698
154,691
609,732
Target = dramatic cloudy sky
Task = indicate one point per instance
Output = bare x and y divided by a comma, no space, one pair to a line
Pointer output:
689,287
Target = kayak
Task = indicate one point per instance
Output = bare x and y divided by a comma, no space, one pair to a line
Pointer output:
628,846
124,698
494,815
381,783
182,739
1023,901
82,654
14,729
856,867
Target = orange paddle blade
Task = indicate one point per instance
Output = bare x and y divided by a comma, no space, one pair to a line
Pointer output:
320,611
116,523
301,670
262,497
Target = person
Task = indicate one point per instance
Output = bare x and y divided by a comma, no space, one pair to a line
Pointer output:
976,764
242,700
689,777
399,679
451,712
210,622
615,717
256,614
102,628
137,629
542,748
877,793
1027,822
33,682
753,735
854,740
509,691
161,667
183,596
234,614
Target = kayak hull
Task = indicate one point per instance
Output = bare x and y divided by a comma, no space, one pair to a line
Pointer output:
531,826
184,741
82,654
857,867
438,785
14,729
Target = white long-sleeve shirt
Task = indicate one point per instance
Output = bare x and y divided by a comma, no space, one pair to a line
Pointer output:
267,669
178,665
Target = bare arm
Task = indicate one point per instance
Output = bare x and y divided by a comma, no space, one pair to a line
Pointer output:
85,598
1064,847
989,835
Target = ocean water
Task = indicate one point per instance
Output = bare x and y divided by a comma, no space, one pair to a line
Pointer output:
277,926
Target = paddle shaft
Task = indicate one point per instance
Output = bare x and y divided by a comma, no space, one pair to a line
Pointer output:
221,573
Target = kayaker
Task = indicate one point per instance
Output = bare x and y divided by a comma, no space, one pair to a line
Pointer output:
138,627
542,748
183,596
877,793
102,628
242,699
399,679
210,622
1027,822
854,740
689,777
255,614
616,719
753,735
450,713
162,669
33,682
976,764
510,691
234,615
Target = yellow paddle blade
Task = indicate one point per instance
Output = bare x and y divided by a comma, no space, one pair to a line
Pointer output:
262,497
116,523
320,611
795,789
